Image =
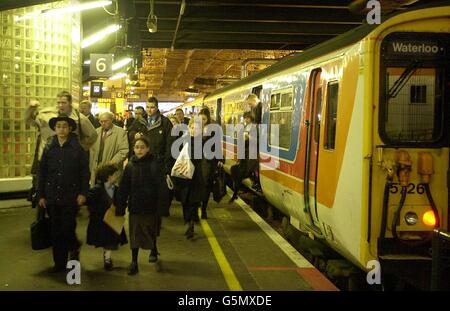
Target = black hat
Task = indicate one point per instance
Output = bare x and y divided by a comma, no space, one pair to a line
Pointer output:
70,121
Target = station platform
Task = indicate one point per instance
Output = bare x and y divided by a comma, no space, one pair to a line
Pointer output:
234,249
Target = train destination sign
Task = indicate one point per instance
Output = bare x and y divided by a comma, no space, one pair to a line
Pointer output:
416,48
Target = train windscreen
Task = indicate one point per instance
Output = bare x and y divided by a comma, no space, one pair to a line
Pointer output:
414,78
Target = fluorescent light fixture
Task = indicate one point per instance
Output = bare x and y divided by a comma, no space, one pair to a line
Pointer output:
121,63
87,62
63,10
85,87
119,75
100,35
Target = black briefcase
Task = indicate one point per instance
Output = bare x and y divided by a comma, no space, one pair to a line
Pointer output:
219,188
40,231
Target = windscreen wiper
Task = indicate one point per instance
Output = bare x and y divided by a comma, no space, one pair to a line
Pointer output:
401,81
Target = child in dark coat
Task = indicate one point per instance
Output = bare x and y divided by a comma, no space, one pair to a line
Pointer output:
144,189
99,200
62,188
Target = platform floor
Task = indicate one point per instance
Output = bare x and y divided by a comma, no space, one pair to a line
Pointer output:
233,250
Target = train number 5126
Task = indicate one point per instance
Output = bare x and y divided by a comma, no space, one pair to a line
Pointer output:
411,188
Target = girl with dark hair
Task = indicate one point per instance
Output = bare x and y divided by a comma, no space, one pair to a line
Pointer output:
99,200
143,188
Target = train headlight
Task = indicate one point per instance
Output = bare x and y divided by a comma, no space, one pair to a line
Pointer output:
411,218
429,219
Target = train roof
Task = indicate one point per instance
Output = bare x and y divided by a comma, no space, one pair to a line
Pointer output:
323,48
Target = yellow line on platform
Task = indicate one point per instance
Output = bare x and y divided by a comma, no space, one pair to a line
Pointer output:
227,271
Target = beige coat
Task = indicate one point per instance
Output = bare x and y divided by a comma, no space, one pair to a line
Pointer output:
40,118
115,149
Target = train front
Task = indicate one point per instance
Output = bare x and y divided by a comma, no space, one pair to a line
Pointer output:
409,183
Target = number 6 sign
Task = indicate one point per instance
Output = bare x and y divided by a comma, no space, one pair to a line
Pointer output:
101,65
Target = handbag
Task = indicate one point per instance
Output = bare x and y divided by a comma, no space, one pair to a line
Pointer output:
219,187
40,231
183,167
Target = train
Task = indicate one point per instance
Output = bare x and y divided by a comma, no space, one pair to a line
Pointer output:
364,137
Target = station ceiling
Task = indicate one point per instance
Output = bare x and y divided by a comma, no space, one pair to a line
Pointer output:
204,44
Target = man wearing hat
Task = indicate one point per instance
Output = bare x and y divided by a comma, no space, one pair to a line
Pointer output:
63,186
40,119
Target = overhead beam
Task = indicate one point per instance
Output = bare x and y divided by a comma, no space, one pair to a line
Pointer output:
225,45
282,27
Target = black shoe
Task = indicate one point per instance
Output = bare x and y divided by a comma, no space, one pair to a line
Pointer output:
234,197
187,230
153,256
204,215
108,265
75,255
190,232
133,269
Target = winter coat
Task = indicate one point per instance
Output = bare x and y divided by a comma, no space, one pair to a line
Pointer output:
143,186
95,123
115,149
40,118
63,172
160,138
100,234
193,191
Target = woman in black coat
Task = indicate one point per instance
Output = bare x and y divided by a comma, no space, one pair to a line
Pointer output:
192,192
144,189
209,166
99,200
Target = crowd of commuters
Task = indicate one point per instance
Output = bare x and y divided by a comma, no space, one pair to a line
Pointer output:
106,161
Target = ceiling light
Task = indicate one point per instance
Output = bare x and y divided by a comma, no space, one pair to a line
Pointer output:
100,35
63,10
121,63
119,75
152,20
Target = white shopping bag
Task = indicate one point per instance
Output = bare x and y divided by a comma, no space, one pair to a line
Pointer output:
183,167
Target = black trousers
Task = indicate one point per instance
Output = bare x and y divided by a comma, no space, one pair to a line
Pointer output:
244,169
63,226
190,213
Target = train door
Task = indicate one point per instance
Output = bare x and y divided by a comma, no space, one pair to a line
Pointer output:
312,123
219,111
257,91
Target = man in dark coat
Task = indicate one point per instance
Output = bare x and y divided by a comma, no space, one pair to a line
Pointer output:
256,107
158,133
179,113
85,108
63,186
139,125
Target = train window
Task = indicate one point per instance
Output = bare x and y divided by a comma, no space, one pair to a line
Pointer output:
286,100
318,114
331,115
411,113
281,115
413,84
275,101
284,121
418,94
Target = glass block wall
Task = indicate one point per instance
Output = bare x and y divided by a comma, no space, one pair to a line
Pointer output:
39,57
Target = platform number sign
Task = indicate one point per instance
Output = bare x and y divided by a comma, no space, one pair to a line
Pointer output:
101,65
